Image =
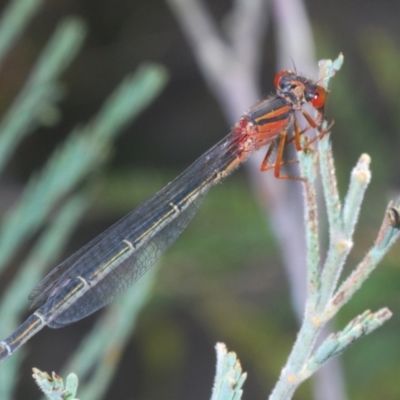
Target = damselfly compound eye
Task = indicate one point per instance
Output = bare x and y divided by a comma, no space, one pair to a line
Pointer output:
278,77
319,97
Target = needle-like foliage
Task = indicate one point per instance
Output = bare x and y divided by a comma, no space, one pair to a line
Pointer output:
85,149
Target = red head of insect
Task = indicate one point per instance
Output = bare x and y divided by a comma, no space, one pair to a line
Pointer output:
299,90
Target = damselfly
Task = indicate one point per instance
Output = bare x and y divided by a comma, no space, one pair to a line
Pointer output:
109,264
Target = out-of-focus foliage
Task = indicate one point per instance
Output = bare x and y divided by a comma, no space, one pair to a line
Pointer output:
222,280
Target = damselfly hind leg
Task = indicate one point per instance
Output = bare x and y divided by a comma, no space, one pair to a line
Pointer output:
296,138
279,162
297,133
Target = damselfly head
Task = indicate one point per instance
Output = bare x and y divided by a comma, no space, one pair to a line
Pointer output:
300,89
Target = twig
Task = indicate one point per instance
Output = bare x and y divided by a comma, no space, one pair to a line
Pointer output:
230,74
85,149
14,300
42,89
53,386
229,377
323,301
13,21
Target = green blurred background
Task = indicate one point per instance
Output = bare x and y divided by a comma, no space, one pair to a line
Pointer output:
222,280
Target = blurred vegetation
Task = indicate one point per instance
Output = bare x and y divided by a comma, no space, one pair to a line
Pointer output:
370,123
222,280
85,149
